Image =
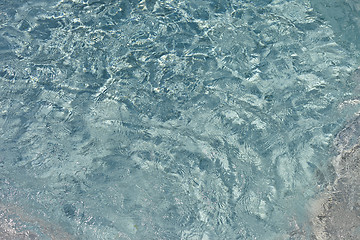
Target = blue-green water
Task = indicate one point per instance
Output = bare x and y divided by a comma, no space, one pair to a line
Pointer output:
171,119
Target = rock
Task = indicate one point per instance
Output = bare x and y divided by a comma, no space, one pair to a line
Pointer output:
16,224
336,214
348,137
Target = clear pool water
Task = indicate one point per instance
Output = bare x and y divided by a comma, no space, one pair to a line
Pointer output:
174,119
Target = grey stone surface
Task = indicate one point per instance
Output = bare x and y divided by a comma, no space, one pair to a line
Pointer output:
17,224
336,214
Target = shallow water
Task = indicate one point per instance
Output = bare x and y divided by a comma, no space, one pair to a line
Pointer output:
171,119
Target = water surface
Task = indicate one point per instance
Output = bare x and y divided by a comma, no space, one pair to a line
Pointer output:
171,119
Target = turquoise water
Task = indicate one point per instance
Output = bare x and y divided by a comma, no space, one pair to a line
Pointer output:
171,119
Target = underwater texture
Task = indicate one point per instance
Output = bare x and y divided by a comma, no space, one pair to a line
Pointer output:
206,119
